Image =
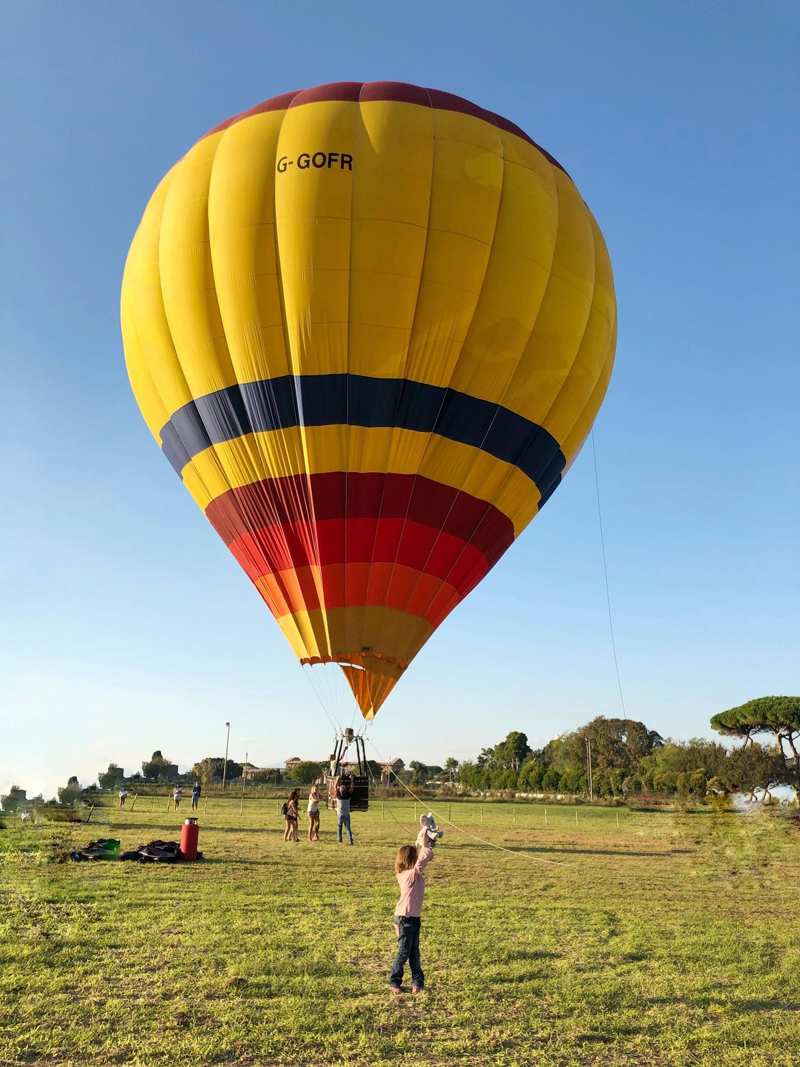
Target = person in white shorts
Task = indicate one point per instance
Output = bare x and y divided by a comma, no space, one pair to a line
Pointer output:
314,797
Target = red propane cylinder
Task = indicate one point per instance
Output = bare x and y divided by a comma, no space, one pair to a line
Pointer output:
190,832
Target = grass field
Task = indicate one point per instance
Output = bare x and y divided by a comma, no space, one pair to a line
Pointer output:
647,939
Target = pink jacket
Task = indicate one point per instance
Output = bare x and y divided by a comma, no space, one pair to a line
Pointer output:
412,886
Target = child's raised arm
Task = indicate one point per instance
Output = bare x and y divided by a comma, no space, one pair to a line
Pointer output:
423,859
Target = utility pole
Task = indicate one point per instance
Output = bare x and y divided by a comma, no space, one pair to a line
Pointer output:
589,765
225,762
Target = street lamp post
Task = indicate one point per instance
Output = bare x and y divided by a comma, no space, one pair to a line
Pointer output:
225,762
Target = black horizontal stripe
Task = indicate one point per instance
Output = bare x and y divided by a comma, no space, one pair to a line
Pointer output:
356,400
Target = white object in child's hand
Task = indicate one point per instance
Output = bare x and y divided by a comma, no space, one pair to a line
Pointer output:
432,831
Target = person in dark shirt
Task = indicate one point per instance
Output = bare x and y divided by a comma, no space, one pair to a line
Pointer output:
291,815
343,795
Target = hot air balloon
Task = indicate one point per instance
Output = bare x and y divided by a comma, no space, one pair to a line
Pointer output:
370,326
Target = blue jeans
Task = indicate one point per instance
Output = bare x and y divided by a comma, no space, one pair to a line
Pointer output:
407,952
343,821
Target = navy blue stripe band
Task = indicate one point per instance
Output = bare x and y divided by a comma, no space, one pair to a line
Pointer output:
356,400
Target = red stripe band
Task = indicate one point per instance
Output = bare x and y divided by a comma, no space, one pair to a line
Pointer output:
309,499
402,92
329,542
385,585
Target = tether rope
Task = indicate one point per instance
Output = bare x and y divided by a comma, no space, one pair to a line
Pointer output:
468,833
337,729
605,576
402,825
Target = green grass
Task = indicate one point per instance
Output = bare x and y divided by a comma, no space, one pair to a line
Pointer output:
647,939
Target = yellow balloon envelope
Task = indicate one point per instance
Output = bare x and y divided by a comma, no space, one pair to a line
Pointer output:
370,326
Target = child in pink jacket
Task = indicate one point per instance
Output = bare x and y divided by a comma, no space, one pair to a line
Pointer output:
409,867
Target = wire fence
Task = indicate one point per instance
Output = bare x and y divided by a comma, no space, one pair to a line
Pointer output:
461,813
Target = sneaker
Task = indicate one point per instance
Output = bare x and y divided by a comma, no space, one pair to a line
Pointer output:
416,989
396,989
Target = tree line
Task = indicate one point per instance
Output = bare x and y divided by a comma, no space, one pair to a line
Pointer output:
210,771
608,757
158,770
611,757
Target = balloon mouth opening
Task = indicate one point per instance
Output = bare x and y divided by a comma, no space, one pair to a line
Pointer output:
370,675
318,661
367,660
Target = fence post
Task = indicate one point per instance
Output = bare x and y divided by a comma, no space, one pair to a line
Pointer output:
618,820
576,816
545,816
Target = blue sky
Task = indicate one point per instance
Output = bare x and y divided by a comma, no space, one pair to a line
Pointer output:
124,624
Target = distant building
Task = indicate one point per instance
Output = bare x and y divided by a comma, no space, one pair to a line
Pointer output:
292,763
249,771
390,769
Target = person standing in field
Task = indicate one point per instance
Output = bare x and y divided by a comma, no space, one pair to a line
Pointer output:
333,793
343,810
177,794
123,796
290,815
196,790
314,798
409,867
